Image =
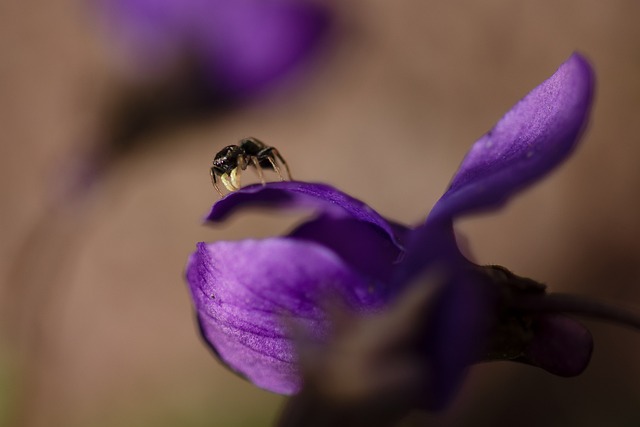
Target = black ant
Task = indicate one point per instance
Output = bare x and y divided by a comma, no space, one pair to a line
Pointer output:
233,159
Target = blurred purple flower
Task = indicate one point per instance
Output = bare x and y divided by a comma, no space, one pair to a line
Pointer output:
248,294
241,47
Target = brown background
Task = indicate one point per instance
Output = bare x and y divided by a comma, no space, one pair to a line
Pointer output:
97,323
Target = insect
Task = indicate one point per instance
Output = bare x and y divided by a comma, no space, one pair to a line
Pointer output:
229,163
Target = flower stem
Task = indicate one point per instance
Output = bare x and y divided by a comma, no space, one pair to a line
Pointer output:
576,304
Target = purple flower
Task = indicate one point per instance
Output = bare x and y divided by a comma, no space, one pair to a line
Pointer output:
249,294
240,46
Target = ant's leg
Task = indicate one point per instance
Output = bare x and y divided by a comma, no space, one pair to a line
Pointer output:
286,166
256,163
275,167
267,154
215,182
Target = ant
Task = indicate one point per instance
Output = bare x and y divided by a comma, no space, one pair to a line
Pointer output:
233,159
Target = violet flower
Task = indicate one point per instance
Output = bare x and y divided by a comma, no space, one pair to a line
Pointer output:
248,294
241,47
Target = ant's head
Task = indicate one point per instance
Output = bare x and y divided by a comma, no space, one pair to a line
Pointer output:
227,159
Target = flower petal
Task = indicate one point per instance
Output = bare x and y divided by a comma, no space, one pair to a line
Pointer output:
537,134
150,33
427,246
560,345
242,46
458,327
458,332
255,43
247,293
362,245
295,195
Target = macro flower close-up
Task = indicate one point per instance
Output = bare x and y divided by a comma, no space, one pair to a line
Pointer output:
311,213
250,295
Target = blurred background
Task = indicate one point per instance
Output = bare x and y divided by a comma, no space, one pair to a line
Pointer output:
110,115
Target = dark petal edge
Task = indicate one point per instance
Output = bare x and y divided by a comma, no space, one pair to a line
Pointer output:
296,195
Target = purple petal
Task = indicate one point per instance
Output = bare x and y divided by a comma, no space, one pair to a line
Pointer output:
257,42
243,45
295,195
363,246
458,328
150,32
458,332
537,134
247,293
427,246
560,345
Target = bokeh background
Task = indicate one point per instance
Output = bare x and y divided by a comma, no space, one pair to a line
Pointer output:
97,325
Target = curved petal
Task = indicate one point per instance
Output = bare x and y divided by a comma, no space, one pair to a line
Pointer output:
363,246
247,293
560,345
295,195
532,138
427,246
